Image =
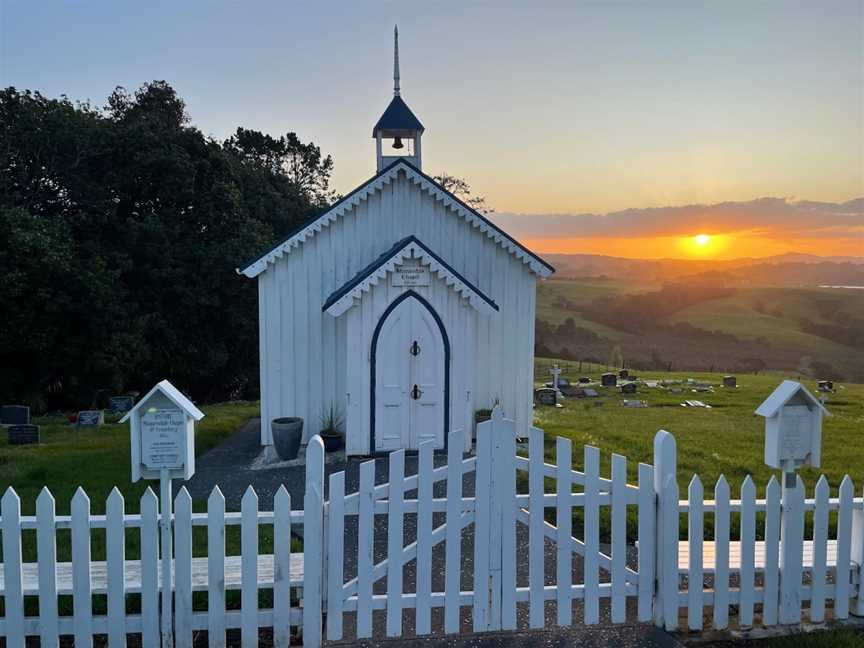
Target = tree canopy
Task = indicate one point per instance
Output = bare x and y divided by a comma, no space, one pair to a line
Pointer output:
120,229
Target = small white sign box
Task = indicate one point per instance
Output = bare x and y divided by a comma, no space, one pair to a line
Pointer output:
793,427
163,434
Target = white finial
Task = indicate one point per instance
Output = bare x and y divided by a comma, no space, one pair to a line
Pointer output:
395,60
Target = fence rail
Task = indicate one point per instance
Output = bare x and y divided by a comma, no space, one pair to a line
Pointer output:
542,532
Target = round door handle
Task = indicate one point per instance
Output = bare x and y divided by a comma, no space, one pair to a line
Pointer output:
416,393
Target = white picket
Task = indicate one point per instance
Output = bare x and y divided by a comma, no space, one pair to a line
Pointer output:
746,583
183,569
395,543
423,611
695,529
844,546
249,568
500,427
282,560
216,569
619,538
536,537
453,547
46,546
670,525
647,525
115,541
857,557
365,542
721,554
13,596
506,465
150,637
591,561
82,602
336,559
820,548
483,476
313,547
770,586
564,522
665,462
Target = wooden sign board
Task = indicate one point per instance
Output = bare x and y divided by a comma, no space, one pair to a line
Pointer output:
411,275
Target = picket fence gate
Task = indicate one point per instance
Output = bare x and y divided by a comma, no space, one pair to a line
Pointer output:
536,544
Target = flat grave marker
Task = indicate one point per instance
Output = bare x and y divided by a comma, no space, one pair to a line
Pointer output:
90,418
23,434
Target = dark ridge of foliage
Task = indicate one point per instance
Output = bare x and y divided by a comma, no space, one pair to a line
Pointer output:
120,232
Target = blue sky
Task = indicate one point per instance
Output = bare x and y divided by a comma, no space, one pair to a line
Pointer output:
544,107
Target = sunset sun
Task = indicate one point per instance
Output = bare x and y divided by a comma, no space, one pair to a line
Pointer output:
702,240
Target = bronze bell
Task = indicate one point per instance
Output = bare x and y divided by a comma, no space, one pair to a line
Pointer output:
397,143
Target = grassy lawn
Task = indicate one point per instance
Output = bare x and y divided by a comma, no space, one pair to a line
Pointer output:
97,459
726,439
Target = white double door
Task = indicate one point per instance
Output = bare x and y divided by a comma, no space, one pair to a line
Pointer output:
409,378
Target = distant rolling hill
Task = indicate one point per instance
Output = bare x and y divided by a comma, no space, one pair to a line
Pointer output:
744,318
786,269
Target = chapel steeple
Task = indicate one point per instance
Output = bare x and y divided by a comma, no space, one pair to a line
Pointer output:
397,124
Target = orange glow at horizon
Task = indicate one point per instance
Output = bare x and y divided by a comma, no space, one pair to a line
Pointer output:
718,246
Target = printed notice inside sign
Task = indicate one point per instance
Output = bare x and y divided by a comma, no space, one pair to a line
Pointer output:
163,435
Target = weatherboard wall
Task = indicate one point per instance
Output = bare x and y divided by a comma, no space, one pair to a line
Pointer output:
304,350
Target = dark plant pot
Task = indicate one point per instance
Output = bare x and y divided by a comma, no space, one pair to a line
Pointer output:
332,442
287,435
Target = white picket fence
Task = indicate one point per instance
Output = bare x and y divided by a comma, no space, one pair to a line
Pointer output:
556,543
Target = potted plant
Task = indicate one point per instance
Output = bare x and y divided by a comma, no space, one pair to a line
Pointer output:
287,435
331,429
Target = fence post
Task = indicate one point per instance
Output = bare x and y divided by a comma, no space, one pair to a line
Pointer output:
313,542
857,555
791,547
665,466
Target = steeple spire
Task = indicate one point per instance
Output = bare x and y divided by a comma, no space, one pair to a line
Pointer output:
395,60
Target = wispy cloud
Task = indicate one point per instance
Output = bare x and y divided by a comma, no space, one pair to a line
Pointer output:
768,217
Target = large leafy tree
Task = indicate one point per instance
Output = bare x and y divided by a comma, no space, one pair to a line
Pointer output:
120,229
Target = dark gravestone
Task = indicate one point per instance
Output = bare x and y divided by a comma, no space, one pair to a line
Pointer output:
584,380
623,373
545,396
23,434
590,393
14,415
730,381
825,385
91,418
628,388
120,404
609,380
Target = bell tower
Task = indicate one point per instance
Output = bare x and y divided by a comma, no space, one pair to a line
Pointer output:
397,134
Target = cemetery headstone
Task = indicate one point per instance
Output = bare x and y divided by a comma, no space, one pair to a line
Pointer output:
623,373
546,396
584,380
825,385
609,380
120,404
14,415
23,434
628,388
590,393
90,418
634,403
730,381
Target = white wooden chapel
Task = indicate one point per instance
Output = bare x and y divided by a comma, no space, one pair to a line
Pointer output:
400,307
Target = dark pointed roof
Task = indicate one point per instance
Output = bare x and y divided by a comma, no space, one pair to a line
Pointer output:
398,116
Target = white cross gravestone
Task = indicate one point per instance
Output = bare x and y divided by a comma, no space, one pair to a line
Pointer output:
793,438
556,372
162,428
